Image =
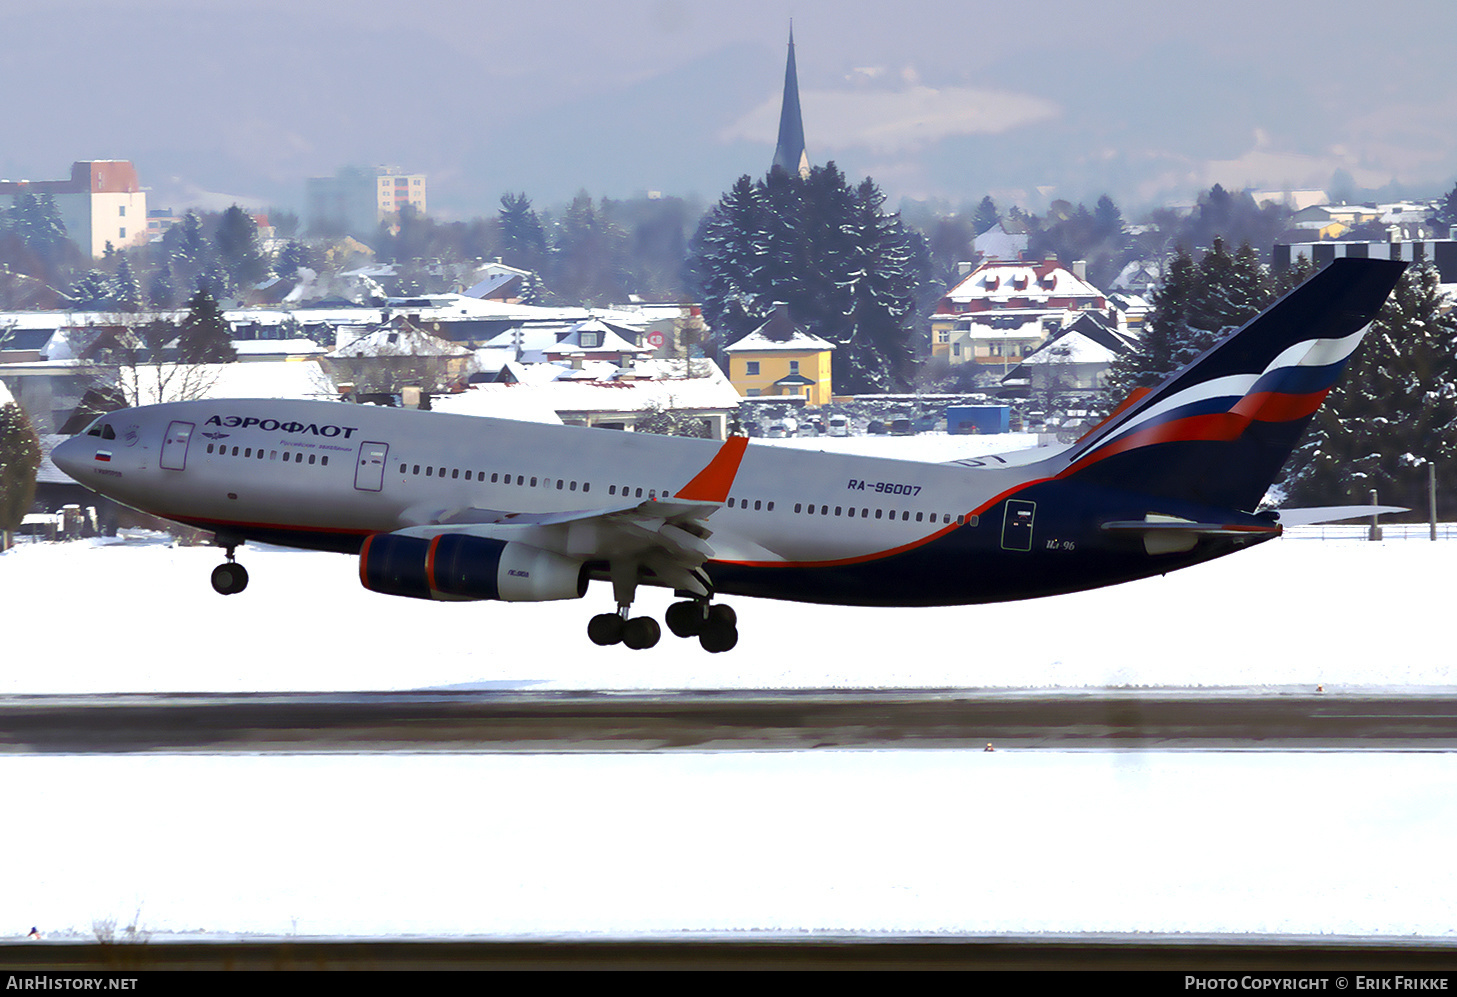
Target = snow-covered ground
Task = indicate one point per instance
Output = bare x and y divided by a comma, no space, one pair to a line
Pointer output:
139,615
870,841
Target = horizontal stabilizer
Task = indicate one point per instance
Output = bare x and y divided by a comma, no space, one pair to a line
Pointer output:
1333,513
1171,535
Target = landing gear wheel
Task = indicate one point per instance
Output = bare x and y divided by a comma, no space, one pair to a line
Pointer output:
229,578
605,629
641,632
720,631
685,619
716,640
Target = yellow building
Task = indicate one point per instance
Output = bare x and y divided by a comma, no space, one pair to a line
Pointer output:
779,359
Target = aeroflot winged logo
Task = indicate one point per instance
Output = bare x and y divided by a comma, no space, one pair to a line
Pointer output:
274,425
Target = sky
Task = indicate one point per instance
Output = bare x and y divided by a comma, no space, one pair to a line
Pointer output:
1149,101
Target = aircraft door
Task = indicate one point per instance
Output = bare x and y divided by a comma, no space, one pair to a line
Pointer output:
369,472
1017,525
174,445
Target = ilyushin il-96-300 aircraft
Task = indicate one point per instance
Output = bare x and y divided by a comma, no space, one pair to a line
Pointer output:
440,506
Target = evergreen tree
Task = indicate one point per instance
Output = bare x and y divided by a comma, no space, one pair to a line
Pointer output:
91,292
588,260
848,271
523,240
204,336
986,215
1293,276
1393,410
19,461
187,251
124,290
293,255
1165,332
36,221
1194,306
238,250
160,291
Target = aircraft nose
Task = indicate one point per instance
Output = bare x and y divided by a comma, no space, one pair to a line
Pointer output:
71,455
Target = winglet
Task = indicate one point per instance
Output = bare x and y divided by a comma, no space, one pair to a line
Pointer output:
712,484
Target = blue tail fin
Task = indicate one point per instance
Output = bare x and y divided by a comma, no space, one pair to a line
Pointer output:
1218,431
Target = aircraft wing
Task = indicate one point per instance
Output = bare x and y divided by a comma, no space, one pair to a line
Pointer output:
672,538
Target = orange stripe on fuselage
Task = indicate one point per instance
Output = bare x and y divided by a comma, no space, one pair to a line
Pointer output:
712,484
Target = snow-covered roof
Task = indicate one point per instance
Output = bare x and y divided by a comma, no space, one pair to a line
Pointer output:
779,333
246,348
524,405
649,384
396,342
995,282
153,383
491,278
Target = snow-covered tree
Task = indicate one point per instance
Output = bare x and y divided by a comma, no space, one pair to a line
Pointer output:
204,335
1194,305
1393,410
848,270
238,249
19,461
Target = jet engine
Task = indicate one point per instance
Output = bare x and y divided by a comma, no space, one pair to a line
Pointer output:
458,566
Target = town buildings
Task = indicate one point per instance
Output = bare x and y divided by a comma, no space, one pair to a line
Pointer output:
101,202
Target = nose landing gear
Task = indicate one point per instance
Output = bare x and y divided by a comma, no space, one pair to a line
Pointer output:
229,578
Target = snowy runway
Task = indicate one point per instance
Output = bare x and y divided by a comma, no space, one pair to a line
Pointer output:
864,841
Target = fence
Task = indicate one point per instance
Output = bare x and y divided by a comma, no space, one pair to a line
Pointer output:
1362,531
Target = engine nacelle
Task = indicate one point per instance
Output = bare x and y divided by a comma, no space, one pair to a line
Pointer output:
457,566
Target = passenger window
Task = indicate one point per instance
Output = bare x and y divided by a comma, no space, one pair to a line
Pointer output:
455,473
402,468
558,484
429,472
311,458
323,460
758,503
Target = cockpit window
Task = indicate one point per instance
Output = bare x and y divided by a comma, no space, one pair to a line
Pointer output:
102,429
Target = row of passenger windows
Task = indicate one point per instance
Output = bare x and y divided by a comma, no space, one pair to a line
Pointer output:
905,514
496,477
627,491
297,456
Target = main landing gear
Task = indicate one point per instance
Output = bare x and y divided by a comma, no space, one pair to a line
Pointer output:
229,578
715,626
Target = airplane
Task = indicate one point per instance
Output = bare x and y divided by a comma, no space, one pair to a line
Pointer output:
451,507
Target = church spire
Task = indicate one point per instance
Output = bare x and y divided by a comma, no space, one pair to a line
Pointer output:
789,154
